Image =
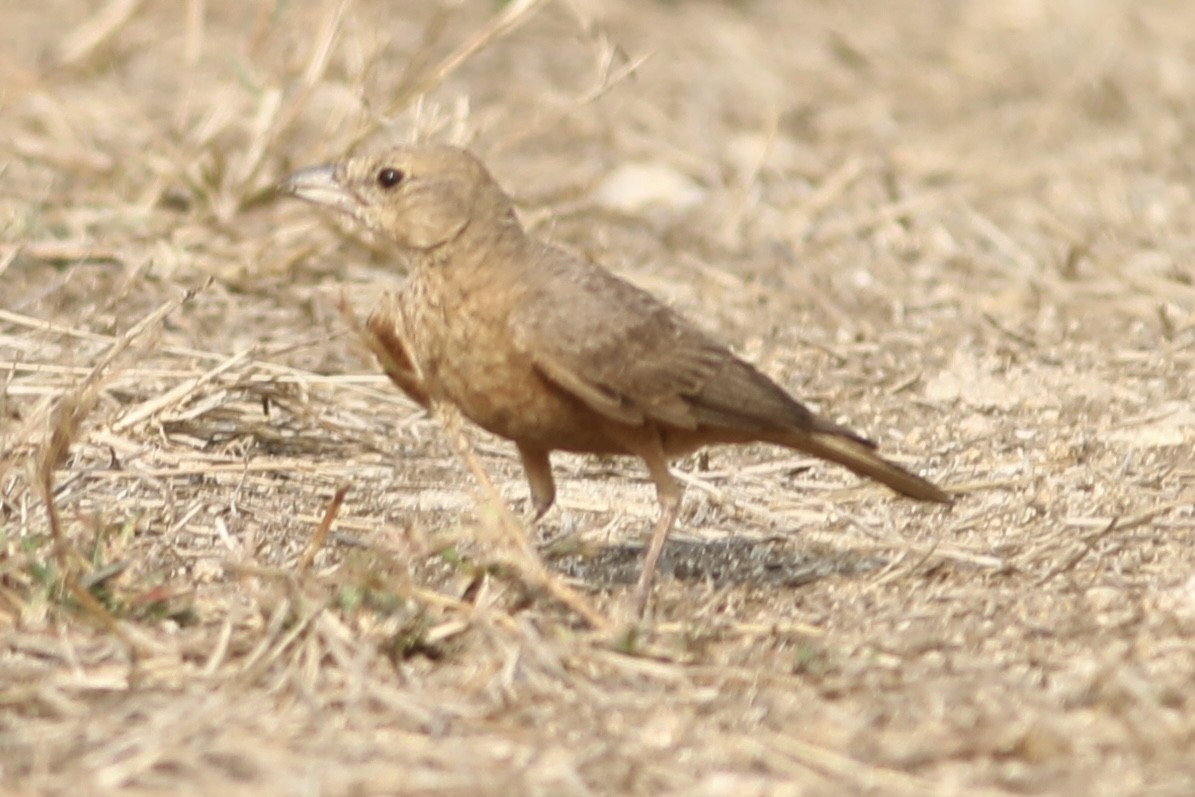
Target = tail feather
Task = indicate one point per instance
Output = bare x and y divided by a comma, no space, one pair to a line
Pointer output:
858,455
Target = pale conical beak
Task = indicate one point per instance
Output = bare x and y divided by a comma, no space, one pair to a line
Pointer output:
320,185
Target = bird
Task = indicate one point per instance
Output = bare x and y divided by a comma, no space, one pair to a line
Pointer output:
552,351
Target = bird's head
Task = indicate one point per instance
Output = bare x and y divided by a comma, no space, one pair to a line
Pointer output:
421,197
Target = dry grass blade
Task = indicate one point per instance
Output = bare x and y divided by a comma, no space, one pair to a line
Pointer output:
321,533
504,22
60,252
65,423
1087,543
81,43
860,775
606,82
420,80
73,407
531,567
317,63
178,394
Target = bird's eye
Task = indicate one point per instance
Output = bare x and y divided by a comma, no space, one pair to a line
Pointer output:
388,177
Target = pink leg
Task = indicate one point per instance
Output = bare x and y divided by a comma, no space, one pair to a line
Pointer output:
669,492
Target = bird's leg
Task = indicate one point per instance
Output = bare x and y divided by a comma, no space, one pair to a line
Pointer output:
668,491
538,468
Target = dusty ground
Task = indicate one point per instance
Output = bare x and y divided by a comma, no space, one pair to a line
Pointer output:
964,228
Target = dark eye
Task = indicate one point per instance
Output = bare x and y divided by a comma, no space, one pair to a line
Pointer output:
388,177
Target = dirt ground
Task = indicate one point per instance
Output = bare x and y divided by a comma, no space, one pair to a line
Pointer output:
965,228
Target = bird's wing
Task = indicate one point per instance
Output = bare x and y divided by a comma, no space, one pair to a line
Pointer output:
632,359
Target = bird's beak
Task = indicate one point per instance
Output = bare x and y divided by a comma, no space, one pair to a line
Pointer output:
320,185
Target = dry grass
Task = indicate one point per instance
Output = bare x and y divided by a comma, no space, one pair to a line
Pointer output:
965,228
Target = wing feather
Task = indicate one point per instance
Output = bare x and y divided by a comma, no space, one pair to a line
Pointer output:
629,357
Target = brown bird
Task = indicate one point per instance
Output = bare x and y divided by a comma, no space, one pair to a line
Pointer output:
553,352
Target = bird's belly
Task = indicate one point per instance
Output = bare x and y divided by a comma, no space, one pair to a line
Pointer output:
468,359
508,397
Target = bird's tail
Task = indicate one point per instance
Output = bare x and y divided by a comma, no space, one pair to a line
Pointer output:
840,445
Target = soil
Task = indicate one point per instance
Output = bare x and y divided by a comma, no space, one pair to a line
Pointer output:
964,229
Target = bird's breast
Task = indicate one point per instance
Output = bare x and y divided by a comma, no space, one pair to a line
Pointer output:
459,337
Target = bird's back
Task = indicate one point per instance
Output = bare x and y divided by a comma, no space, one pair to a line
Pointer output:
637,359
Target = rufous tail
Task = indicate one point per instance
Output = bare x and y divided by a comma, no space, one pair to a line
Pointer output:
859,456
